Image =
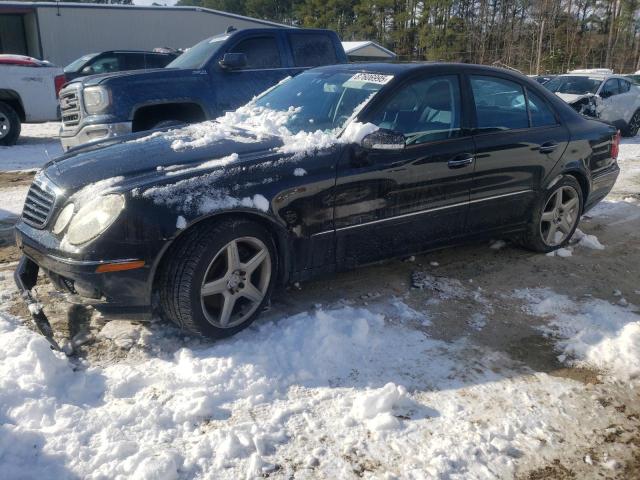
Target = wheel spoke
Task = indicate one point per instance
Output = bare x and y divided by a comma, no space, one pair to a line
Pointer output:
252,293
551,234
227,309
564,226
548,216
557,201
255,262
214,287
570,205
233,257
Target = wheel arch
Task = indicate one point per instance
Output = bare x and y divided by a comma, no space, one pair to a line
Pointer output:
12,98
277,231
146,116
580,176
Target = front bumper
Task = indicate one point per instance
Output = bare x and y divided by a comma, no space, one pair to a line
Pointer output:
92,133
116,294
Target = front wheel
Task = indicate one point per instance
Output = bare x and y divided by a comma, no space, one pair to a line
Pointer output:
633,126
556,216
9,125
219,277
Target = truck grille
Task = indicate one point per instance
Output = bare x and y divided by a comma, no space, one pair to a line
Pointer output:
39,203
70,107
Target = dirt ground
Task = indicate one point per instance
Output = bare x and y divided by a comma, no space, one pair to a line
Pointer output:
495,274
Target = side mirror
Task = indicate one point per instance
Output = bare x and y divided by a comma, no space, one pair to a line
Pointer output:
233,61
384,139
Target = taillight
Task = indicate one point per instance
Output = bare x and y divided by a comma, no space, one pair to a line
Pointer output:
615,145
59,81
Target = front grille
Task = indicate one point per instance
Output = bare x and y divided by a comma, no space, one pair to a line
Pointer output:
39,203
70,107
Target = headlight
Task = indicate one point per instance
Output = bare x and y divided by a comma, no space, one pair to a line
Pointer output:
94,218
96,99
63,219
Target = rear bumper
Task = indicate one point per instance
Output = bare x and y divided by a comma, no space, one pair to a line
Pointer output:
601,184
92,133
115,294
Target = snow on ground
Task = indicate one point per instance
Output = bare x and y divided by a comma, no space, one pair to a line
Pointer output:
11,201
322,394
38,143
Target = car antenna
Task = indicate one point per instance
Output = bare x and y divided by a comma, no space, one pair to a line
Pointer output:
230,29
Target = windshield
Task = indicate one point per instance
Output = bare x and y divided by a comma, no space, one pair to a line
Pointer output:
575,85
322,100
77,64
198,55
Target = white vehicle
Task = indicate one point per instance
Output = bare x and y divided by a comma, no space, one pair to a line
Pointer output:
28,93
600,94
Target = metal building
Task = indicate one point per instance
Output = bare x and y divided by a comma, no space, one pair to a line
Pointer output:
62,32
367,51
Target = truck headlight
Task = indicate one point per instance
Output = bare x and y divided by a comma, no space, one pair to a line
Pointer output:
94,218
96,99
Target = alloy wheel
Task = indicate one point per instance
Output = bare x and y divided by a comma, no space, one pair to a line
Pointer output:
560,215
236,282
5,125
634,124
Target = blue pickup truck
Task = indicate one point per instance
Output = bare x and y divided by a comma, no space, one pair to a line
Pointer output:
214,76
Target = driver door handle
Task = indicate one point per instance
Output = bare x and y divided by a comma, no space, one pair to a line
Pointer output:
548,147
461,160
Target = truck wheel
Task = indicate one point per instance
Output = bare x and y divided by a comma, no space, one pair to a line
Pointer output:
633,126
218,278
555,217
9,125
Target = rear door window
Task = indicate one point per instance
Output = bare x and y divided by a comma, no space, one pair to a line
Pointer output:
500,104
539,111
624,85
132,61
261,52
610,88
157,61
312,50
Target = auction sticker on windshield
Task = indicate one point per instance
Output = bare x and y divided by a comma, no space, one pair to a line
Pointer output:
360,79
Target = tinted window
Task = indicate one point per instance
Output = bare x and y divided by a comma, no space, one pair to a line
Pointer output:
261,52
540,112
499,103
105,64
624,85
198,55
133,61
610,88
158,61
423,110
311,50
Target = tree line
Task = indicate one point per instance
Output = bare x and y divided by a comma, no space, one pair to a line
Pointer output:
545,36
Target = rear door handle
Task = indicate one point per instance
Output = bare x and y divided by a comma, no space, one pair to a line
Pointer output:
548,147
461,160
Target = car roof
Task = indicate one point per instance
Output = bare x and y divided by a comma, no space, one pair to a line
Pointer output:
596,75
394,68
147,52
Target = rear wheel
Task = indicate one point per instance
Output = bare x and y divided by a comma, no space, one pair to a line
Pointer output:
219,277
556,216
9,125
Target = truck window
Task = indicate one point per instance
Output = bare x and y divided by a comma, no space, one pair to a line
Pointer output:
261,52
158,61
312,49
105,64
133,61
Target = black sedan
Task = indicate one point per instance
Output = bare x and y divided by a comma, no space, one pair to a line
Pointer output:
339,167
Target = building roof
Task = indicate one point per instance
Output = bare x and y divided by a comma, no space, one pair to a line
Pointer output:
351,48
32,5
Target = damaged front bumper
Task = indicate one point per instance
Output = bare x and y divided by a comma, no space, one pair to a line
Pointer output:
26,276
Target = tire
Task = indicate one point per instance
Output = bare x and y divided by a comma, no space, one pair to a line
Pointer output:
631,130
552,224
200,262
9,125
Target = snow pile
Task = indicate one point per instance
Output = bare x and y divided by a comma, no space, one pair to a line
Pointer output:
38,143
594,333
328,394
588,241
299,172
